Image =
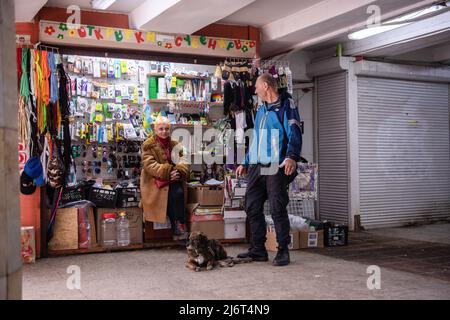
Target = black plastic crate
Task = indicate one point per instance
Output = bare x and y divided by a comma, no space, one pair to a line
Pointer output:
128,197
335,235
72,194
103,198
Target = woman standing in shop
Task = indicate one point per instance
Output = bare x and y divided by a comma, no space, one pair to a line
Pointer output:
164,172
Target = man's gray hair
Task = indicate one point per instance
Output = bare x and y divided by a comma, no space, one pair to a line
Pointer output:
270,80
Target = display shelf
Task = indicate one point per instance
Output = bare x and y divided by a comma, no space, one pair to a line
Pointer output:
215,104
95,249
188,126
178,75
147,245
177,243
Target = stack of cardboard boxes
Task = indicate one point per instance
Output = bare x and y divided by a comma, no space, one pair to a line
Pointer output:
218,211
205,211
299,239
319,235
309,235
234,208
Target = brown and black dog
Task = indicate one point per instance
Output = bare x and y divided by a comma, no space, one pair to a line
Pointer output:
205,254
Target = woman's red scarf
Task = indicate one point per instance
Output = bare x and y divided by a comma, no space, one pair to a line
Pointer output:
165,144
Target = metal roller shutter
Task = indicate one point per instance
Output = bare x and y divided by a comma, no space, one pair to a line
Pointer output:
403,151
333,147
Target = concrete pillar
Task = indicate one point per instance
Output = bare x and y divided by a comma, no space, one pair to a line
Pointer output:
10,258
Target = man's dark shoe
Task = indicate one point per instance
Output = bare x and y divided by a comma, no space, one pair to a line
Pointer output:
257,255
282,257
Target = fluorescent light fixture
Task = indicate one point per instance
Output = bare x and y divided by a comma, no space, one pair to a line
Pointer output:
102,4
395,23
365,33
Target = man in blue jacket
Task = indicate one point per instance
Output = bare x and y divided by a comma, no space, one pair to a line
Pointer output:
271,165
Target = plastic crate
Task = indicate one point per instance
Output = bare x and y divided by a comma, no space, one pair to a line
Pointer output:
72,194
128,197
103,198
335,235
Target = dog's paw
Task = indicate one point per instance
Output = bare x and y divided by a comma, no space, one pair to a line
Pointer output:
198,269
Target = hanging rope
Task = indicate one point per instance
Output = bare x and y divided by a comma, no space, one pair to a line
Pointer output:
45,88
45,155
24,86
32,69
22,122
38,77
53,83
24,94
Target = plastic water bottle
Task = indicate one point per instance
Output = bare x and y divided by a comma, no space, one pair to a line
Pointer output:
123,231
109,235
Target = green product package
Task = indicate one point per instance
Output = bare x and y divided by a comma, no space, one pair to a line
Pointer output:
153,88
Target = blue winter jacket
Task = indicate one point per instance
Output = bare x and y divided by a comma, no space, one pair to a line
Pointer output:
277,133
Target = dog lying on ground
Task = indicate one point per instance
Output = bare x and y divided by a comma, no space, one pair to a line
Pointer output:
205,254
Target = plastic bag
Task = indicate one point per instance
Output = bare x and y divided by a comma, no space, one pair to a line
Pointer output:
298,223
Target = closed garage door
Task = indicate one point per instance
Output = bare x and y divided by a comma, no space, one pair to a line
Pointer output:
333,147
404,152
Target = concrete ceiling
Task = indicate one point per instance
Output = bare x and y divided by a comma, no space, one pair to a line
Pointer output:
434,54
263,12
182,16
25,10
120,6
285,24
328,21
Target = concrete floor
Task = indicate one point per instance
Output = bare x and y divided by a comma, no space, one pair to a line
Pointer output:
329,273
437,233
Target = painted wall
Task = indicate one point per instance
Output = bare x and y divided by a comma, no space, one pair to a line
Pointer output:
304,101
121,21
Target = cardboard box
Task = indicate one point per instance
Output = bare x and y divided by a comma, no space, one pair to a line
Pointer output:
272,244
28,245
212,225
213,229
206,195
240,191
234,203
157,232
235,224
312,239
235,187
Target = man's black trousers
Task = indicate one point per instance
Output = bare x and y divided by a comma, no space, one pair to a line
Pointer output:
259,189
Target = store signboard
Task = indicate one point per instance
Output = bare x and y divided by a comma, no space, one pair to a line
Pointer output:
106,37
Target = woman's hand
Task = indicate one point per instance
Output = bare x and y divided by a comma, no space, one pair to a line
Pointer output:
175,175
241,171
